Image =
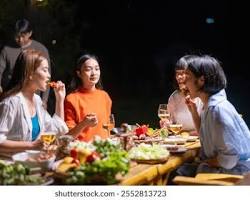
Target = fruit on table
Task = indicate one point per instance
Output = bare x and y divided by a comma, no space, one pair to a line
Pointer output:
77,162
83,154
64,167
142,137
68,160
150,132
92,157
84,151
73,153
52,84
104,170
141,130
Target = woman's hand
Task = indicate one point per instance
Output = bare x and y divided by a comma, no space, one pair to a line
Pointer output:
90,120
60,91
37,144
190,104
194,112
165,123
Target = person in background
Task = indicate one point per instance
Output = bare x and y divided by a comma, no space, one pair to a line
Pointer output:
10,52
88,107
22,116
177,107
224,136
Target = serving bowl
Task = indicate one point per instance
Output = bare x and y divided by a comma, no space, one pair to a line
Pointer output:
33,159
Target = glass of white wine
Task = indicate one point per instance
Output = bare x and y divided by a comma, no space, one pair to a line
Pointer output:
48,137
175,128
110,124
163,112
164,115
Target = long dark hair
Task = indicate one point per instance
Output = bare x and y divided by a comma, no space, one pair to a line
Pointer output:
76,82
27,62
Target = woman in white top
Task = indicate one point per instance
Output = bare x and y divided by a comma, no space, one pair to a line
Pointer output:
22,116
177,102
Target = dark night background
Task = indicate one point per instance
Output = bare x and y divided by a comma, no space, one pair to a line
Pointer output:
138,43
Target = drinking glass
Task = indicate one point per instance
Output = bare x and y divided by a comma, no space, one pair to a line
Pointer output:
163,113
48,137
110,124
175,128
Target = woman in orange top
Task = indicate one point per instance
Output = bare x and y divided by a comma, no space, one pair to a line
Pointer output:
87,102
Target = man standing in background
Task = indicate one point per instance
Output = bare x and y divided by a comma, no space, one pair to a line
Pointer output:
9,54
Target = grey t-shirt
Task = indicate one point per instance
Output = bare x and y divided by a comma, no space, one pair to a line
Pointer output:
8,58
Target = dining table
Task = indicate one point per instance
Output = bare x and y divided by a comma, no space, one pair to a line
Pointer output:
157,174
154,174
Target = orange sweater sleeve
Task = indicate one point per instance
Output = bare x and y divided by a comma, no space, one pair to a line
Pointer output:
69,114
109,104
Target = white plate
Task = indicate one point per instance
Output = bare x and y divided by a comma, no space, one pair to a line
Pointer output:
179,150
170,146
23,158
175,140
33,153
49,181
191,138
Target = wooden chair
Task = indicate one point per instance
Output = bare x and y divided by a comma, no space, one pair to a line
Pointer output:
245,180
208,179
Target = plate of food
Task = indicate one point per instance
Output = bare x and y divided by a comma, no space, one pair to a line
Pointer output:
170,146
148,154
178,150
151,161
175,140
191,138
149,140
21,174
35,159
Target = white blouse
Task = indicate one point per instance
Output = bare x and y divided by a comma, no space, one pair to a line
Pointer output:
179,111
15,119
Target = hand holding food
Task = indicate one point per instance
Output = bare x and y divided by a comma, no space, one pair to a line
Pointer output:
52,84
90,120
190,104
59,89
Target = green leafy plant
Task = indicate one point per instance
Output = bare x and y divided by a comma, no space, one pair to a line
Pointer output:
17,174
113,162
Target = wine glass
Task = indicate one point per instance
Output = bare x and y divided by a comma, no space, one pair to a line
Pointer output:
48,137
110,124
163,112
175,128
164,115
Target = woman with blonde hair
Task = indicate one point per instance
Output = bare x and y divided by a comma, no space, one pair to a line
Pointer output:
22,115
